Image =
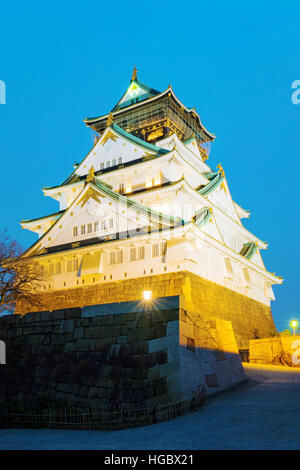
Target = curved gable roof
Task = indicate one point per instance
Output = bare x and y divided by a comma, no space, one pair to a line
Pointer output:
215,180
136,92
149,95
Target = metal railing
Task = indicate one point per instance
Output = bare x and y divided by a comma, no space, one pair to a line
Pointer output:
98,419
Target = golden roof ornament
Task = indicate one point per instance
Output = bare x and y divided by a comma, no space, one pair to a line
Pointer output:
96,138
134,74
221,169
91,174
110,119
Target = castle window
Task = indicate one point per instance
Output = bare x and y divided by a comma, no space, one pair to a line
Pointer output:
132,255
57,268
159,249
229,268
75,231
103,225
116,257
96,226
119,256
121,188
102,166
247,276
75,264
141,252
111,223
82,229
155,250
114,162
119,160
90,228
72,265
69,265
107,164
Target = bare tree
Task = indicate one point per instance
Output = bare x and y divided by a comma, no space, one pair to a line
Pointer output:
19,276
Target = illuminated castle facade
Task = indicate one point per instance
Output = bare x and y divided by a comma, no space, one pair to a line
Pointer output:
143,206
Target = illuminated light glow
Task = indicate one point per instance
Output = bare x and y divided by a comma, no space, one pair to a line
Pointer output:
148,182
157,179
294,326
128,188
147,294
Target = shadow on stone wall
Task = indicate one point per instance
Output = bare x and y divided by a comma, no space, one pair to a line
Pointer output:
106,360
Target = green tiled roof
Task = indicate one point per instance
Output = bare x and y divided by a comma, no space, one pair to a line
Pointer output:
201,217
55,214
148,93
159,216
157,152
215,180
188,141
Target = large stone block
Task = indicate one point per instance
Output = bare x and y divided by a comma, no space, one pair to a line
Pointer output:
67,326
159,344
140,334
164,370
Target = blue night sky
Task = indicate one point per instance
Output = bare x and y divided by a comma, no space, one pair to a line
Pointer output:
235,62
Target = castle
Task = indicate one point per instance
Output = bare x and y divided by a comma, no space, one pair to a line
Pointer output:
144,211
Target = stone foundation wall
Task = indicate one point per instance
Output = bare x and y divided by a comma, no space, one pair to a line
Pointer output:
208,353
117,353
87,361
250,319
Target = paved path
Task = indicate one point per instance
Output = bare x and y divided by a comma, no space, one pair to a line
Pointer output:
263,413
